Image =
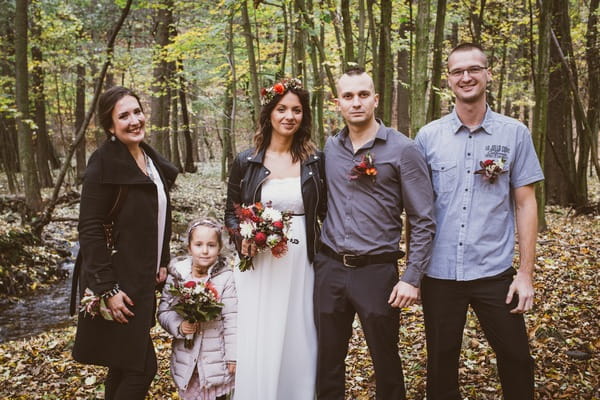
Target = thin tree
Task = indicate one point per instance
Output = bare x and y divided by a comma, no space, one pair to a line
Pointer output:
253,69
540,112
418,93
46,215
434,109
33,197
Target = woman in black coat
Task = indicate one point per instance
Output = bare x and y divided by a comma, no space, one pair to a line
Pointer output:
126,277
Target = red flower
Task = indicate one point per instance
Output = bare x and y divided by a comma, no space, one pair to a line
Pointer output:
488,162
278,225
210,287
260,238
279,88
190,284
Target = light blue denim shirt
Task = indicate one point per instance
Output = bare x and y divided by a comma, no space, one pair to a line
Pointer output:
475,221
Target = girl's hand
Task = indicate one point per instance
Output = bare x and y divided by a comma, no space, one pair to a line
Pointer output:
231,367
161,275
187,328
118,309
248,248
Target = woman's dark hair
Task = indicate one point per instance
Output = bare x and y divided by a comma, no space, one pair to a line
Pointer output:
107,102
302,145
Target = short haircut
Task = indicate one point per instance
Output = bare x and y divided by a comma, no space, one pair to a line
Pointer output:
354,70
468,46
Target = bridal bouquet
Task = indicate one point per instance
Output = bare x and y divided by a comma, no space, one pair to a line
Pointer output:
264,226
196,302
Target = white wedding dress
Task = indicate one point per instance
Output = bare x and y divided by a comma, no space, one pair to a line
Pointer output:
277,340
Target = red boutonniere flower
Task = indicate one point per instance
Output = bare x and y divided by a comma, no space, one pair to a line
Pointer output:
366,167
491,169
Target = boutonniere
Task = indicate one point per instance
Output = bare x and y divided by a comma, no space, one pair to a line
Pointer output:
366,167
491,169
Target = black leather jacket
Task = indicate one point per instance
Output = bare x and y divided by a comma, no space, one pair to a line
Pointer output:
247,176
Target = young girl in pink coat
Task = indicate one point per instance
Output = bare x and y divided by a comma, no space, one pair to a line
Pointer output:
206,371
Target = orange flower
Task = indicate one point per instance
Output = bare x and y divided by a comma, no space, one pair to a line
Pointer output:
279,88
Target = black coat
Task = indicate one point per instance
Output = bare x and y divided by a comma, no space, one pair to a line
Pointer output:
133,266
247,176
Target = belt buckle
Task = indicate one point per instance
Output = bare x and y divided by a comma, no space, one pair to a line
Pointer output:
346,261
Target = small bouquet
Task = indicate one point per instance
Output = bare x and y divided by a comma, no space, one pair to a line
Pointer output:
366,167
491,169
196,302
92,305
264,226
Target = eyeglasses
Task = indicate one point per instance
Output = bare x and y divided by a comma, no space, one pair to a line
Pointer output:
474,70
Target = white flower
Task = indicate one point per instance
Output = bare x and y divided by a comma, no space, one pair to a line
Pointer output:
271,214
500,163
246,229
198,289
273,239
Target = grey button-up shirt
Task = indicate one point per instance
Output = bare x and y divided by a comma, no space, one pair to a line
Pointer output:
363,217
475,218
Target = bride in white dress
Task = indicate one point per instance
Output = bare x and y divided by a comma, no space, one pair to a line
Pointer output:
277,339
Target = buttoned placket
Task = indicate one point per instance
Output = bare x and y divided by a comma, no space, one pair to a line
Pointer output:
350,193
467,197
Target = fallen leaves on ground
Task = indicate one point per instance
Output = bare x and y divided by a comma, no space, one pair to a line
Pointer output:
564,328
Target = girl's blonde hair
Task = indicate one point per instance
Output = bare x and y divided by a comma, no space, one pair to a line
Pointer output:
208,222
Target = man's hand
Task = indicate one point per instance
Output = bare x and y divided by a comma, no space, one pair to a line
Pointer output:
522,285
161,275
404,295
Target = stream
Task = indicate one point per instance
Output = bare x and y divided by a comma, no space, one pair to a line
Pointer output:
43,310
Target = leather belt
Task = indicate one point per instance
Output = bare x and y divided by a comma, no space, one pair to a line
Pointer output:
353,261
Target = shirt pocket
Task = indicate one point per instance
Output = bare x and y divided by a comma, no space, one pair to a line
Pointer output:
443,175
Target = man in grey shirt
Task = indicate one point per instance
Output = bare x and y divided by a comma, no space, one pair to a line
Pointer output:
373,174
483,166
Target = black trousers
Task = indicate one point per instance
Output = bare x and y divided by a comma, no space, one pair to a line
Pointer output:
124,384
445,304
340,293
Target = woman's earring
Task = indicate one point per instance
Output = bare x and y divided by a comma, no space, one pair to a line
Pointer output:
113,137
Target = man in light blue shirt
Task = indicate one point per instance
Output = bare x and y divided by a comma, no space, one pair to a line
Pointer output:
483,167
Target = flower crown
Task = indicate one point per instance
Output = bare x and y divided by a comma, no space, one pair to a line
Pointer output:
279,88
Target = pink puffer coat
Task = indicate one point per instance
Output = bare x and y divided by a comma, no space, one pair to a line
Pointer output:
214,344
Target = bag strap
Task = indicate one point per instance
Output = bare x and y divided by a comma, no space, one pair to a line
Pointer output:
107,225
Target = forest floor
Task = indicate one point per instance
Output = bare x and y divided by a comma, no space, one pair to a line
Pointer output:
564,327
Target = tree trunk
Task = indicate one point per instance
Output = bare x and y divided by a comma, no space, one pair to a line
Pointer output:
253,69
33,197
79,118
418,95
501,80
160,101
477,22
189,165
229,109
402,90
434,110
540,113
362,39
317,92
373,35
559,163
385,70
46,215
299,45
43,144
348,39
175,153
593,108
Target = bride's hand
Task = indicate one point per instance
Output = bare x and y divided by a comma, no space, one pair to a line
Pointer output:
248,248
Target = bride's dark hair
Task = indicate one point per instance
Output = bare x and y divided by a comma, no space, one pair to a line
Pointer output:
302,145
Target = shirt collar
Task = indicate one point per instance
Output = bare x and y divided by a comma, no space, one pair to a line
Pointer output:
486,125
381,134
